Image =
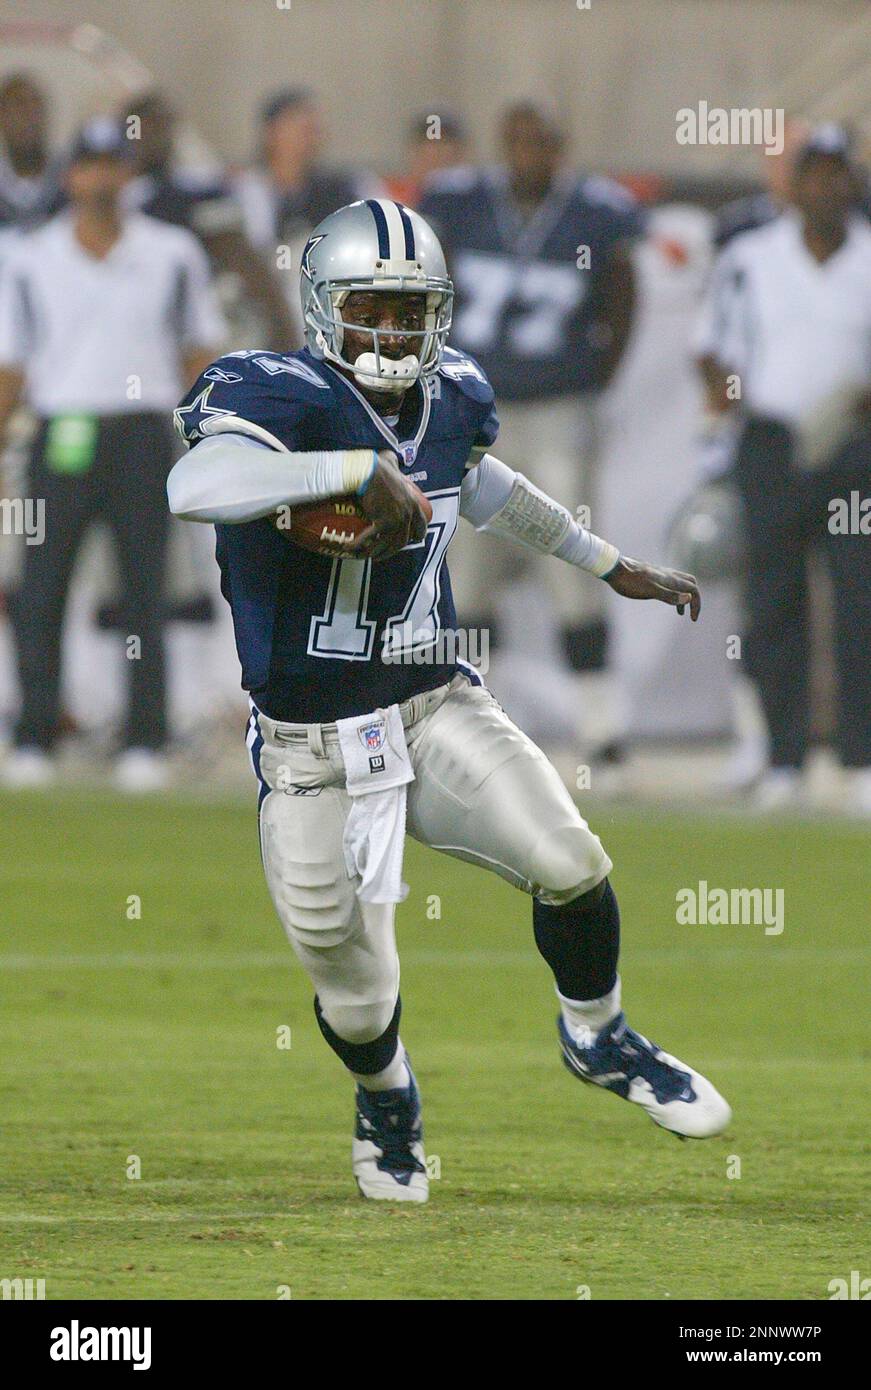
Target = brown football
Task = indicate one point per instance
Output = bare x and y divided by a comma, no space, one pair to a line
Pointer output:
330,526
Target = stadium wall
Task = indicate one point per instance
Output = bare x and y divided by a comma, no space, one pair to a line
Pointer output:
375,62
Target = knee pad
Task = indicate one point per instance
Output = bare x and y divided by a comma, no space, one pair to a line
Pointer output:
566,863
357,1023
357,981
364,1055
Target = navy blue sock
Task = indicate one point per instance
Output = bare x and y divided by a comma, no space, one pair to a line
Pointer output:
581,942
363,1058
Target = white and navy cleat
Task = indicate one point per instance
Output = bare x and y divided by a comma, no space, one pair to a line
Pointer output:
673,1094
387,1151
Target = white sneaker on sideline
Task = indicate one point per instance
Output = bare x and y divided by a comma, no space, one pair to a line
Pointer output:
141,770
779,790
28,767
858,801
746,764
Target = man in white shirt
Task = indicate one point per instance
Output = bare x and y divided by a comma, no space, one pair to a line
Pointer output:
787,343
103,319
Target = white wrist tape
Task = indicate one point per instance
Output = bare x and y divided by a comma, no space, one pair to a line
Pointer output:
358,465
587,552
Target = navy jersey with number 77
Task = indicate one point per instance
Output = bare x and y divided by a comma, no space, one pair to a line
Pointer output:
528,305
320,638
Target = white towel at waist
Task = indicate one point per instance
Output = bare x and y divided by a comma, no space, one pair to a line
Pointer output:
378,769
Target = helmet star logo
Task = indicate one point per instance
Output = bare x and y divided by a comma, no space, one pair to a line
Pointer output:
306,262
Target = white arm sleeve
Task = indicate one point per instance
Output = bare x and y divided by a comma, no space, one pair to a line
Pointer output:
501,502
233,478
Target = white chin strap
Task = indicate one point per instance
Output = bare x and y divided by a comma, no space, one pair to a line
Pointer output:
393,372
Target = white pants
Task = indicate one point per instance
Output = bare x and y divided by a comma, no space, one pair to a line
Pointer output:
482,792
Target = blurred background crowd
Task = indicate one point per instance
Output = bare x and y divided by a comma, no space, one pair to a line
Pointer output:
613,300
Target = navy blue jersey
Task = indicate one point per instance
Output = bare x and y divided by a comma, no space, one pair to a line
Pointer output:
318,638
26,204
204,205
324,190
523,306
743,215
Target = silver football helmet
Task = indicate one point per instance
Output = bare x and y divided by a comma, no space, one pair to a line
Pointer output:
375,244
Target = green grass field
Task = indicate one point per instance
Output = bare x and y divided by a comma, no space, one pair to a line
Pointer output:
156,1037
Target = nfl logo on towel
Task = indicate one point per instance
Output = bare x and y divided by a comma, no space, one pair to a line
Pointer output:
372,736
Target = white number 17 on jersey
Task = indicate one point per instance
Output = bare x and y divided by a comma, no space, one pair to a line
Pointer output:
344,632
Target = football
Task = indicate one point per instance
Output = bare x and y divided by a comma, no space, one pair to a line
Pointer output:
330,526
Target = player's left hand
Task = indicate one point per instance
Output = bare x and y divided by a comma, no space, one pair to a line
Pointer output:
634,579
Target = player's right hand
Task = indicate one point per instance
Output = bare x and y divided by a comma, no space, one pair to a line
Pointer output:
393,506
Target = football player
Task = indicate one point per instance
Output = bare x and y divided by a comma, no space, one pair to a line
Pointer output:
376,405
540,257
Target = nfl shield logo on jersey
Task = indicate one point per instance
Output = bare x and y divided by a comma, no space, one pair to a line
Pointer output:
372,736
409,453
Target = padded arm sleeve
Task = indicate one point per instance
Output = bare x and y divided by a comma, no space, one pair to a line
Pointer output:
234,478
504,503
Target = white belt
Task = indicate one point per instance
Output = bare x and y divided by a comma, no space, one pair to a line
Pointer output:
317,735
